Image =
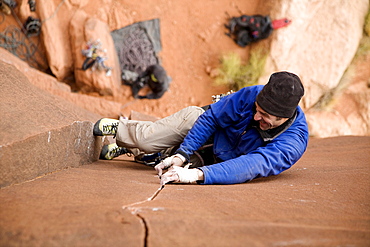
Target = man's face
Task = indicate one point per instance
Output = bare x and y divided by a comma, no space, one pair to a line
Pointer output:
267,121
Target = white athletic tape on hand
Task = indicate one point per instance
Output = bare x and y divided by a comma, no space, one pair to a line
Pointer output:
186,175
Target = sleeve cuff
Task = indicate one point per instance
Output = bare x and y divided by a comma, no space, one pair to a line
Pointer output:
184,157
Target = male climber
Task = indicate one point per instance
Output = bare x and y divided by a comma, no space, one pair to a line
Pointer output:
255,132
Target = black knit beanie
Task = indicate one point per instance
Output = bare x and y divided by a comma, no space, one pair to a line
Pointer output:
281,95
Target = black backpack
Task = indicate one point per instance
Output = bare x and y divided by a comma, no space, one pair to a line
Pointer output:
247,29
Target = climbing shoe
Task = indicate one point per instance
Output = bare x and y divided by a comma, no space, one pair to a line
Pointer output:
149,159
106,126
111,151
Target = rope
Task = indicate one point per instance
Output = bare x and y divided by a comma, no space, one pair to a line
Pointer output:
16,42
56,10
137,52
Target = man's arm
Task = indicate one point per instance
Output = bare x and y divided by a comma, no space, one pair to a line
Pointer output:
228,111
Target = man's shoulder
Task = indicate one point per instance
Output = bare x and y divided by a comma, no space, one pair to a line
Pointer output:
254,88
250,92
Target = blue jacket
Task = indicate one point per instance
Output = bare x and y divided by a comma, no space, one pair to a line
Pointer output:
242,150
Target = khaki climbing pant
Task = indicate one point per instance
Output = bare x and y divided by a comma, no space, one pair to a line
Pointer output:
152,137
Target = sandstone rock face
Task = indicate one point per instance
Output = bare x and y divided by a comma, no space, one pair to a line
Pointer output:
50,133
55,36
319,47
83,30
323,200
315,45
50,84
63,45
347,114
36,77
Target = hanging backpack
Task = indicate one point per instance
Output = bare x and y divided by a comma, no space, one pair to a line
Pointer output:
247,29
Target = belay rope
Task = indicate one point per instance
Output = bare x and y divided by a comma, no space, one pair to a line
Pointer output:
16,42
137,52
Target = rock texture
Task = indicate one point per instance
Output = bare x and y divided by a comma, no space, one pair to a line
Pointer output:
82,30
55,35
64,39
41,133
348,113
321,201
315,45
97,105
319,47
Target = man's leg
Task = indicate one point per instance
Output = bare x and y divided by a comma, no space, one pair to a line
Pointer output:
152,137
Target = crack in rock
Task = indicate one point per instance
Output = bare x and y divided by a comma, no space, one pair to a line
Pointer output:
135,211
145,228
147,200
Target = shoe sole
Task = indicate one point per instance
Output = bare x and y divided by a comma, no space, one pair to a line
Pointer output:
96,130
104,152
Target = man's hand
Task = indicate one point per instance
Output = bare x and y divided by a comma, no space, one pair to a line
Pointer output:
174,160
182,175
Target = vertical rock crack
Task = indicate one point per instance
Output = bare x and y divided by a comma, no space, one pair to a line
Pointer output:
134,211
145,228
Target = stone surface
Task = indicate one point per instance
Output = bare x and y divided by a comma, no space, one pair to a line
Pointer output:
82,30
100,106
184,54
40,132
316,46
190,56
78,207
348,113
59,43
323,200
56,40
320,47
